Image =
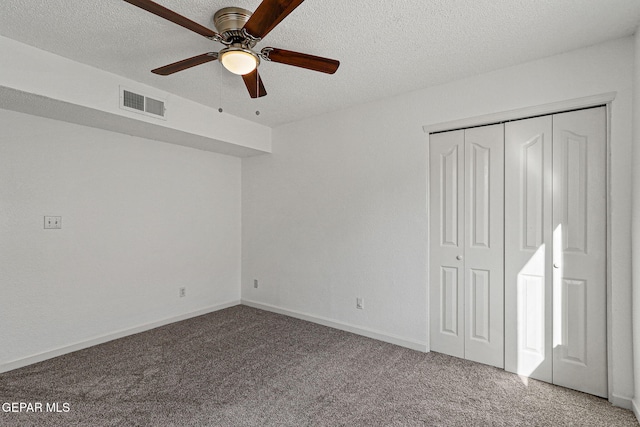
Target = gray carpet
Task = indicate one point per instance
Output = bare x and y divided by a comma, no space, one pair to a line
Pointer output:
247,367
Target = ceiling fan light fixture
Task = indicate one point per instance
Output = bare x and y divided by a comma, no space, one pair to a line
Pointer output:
239,60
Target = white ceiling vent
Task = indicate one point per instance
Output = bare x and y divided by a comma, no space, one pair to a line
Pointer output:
138,103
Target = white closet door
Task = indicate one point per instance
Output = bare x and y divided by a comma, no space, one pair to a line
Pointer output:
579,251
555,249
484,244
528,241
466,249
446,248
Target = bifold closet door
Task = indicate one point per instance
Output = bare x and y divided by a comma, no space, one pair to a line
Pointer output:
579,251
466,243
484,245
446,249
555,249
528,232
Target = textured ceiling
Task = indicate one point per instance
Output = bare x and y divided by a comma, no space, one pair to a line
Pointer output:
385,47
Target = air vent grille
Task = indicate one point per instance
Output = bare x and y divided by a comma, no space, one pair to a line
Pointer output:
136,102
153,106
133,100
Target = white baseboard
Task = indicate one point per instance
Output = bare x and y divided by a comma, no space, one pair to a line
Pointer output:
19,363
635,409
370,333
621,401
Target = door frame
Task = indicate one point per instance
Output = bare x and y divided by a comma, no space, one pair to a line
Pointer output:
603,99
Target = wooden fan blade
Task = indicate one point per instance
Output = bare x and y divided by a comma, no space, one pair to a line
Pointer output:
254,85
172,16
185,63
269,14
310,62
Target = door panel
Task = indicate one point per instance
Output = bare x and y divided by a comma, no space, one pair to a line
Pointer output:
528,238
479,309
478,186
579,273
484,244
573,308
446,229
532,187
449,301
531,321
449,182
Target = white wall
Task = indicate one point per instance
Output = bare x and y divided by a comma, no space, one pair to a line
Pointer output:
636,227
338,211
140,219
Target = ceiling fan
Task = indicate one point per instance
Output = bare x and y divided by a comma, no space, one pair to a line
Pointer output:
239,31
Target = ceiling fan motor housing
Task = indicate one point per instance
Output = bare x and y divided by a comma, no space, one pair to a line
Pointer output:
229,22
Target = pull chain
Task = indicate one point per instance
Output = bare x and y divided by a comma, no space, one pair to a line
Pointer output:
220,110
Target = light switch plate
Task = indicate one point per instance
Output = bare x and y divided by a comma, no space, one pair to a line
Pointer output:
52,222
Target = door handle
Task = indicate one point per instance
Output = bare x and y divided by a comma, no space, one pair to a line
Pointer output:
459,257
556,265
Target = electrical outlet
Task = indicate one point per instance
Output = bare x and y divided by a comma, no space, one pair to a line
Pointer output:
52,222
360,303
255,283
182,292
